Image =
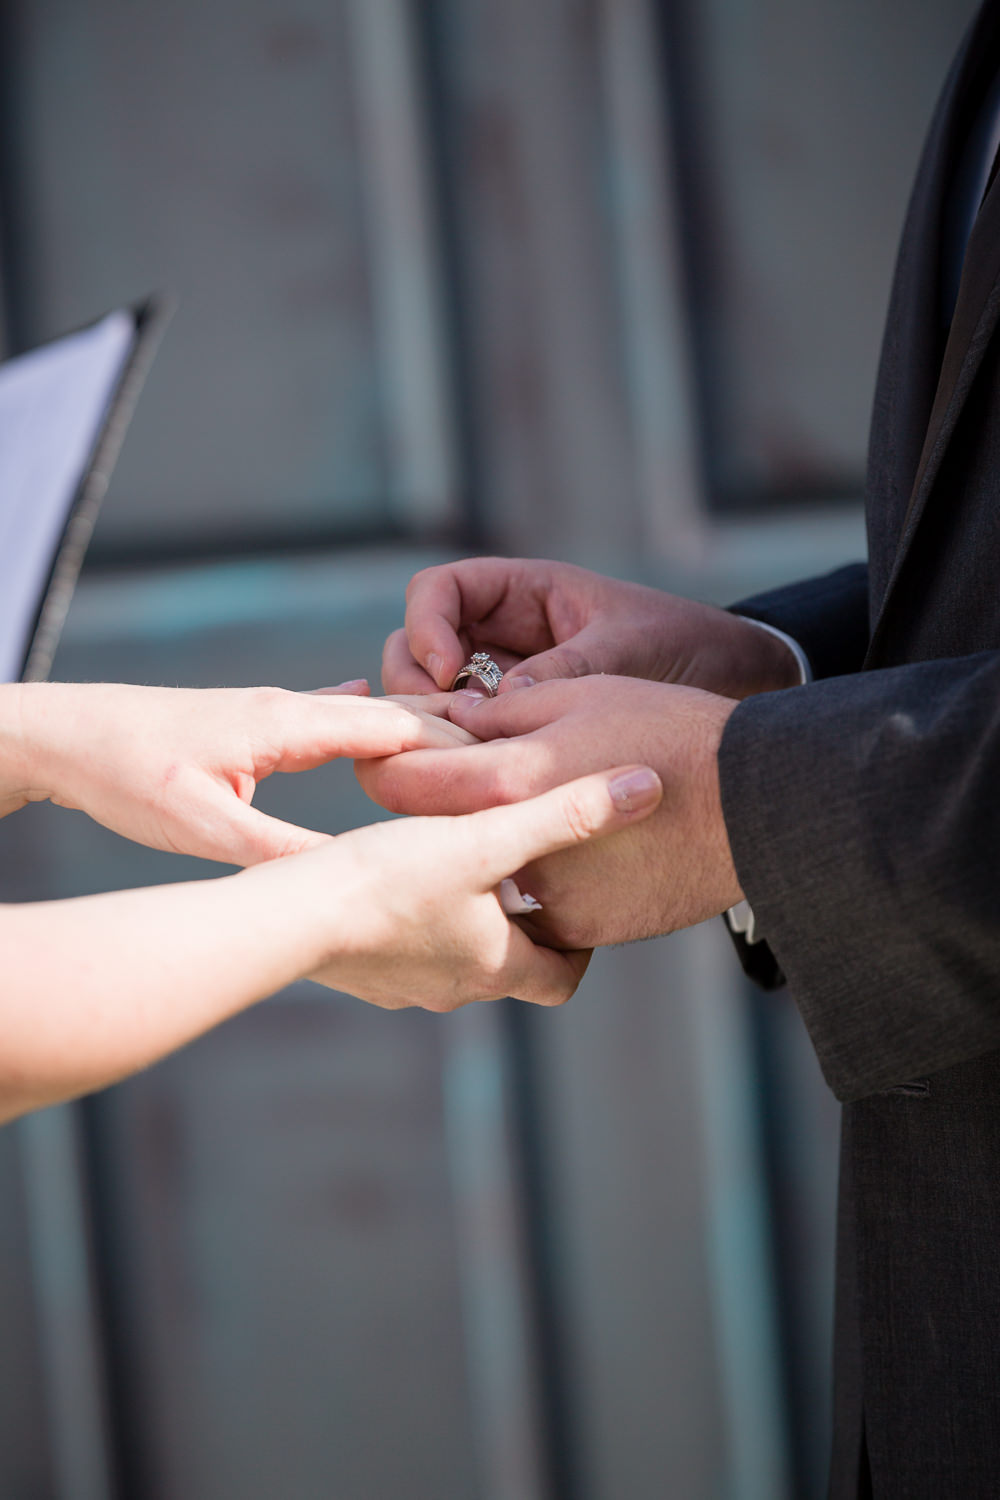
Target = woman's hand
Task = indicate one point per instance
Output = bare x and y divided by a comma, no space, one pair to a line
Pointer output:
402,913
412,909
177,768
541,620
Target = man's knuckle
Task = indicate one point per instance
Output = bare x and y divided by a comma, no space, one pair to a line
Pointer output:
573,662
504,785
419,579
393,642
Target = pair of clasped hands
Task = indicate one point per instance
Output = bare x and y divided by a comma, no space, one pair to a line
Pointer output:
590,779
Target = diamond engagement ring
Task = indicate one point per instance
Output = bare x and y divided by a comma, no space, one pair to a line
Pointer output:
484,669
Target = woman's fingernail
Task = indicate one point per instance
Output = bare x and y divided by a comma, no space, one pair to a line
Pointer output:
471,697
521,681
356,685
634,790
516,903
433,665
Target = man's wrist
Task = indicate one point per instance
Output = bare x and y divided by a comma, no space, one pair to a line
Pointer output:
740,915
724,880
802,668
749,657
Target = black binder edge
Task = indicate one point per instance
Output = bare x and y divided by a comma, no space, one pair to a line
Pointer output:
151,318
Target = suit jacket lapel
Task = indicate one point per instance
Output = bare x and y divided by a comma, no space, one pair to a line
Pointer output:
972,326
976,316
899,462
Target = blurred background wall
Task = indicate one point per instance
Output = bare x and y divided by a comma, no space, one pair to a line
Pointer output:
597,279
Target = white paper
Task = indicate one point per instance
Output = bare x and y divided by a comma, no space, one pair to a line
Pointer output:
52,404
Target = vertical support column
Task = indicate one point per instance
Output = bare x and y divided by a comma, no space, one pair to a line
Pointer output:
423,467
71,1353
408,297
650,279
493,1257
737,1232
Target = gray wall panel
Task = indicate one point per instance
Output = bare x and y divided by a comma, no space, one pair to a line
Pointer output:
284,1218
625,1177
210,150
808,126
525,132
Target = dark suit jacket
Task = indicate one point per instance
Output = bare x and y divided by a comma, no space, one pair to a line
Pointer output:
864,817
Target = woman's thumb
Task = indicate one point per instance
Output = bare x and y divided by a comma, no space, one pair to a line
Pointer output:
235,833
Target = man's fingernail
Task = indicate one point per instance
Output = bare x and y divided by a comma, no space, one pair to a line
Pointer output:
471,697
433,665
634,790
522,680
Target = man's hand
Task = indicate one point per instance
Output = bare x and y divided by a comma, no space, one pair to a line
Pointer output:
673,871
541,620
177,768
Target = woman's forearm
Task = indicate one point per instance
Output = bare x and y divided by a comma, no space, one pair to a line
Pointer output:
97,987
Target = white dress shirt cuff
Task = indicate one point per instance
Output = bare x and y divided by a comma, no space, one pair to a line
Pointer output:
741,917
805,670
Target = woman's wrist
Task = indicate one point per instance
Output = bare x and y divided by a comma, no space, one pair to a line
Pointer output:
44,740
15,753
301,900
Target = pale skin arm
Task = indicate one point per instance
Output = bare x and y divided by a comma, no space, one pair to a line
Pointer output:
402,913
176,768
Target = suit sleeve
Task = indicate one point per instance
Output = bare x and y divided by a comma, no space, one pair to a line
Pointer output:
864,819
828,617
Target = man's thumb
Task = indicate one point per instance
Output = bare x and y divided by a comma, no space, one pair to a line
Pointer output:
512,836
583,655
